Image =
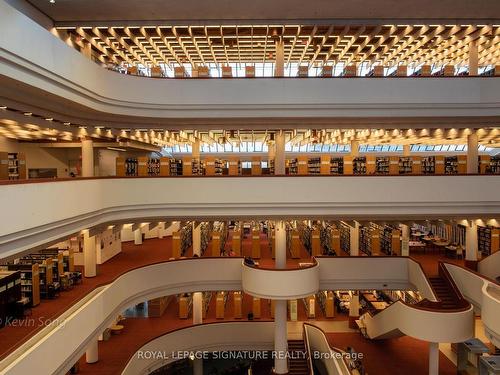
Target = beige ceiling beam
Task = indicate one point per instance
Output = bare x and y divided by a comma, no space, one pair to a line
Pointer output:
168,45
224,44
138,43
349,44
125,45
381,41
183,47
265,44
209,43
407,41
320,46
292,48
408,54
193,40
387,47
100,48
368,39
308,43
111,45
153,44
463,53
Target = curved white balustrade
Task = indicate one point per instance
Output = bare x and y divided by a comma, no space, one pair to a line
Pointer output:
433,326
490,266
282,284
244,336
32,55
34,214
484,295
88,319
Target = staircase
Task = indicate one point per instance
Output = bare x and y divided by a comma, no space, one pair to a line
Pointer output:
298,361
444,293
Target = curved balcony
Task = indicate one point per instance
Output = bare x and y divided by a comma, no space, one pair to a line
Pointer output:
205,337
37,213
70,334
280,284
54,74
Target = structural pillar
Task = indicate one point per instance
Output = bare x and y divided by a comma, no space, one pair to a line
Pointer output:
280,306
354,239
279,157
406,150
472,154
87,157
473,59
138,236
196,239
405,240
89,254
471,254
92,352
195,149
354,148
161,228
354,310
279,65
433,358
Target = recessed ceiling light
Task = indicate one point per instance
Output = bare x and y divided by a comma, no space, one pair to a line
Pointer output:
28,113
49,119
67,123
52,1
3,107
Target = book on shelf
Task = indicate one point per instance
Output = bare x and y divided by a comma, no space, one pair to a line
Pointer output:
336,166
359,165
382,165
428,165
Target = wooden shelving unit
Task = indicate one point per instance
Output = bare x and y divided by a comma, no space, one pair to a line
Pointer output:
336,166
187,166
256,166
313,165
428,165
219,237
345,238
326,301
176,167
488,240
369,241
302,165
237,305
182,240
293,166
256,240
330,239
234,166
359,165
236,240
405,165
185,302
382,165
12,166
390,240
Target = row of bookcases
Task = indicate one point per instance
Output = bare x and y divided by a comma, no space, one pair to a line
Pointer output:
488,239
12,166
219,237
182,239
304,165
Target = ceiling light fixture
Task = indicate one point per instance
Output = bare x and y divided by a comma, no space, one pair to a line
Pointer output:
3,107
67,123
52,1
28,113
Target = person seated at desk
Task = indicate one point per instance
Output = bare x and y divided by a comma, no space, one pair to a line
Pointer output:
249,261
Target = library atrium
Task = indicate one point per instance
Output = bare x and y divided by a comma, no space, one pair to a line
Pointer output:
269,187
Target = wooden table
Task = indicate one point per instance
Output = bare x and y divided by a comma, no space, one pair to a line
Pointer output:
379,305
370,297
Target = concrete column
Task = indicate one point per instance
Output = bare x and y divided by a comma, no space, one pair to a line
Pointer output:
280,313
279,158
92,352
473,59
138,236
279,65
280,244
197,308
198,366
280,337
87,157
471,253
405,240
161,228
433,358
354,239
89,254
87,50
406,150
354,148
195,149
354,310
196,239
472,153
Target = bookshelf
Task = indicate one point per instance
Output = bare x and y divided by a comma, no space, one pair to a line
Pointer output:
219,237
494,167
330,239
271,166
423,71
371,164
153,166
305,235
376,71
345,238
175,167
302,165
237,305
382,165
29,281
451,165
205,230
234,166
187,166
326,303
314,165
336,166
348,167
206,298
256,166
369,241
182,240
255,240
220,304
428,165
236,239
294,244
293,166
256,307
350,71
405,165
316,248
416,166
157,306
359,165
310,306
10,294
488,240
185,302
390,243
12,166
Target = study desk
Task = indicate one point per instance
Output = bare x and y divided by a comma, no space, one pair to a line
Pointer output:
379,305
